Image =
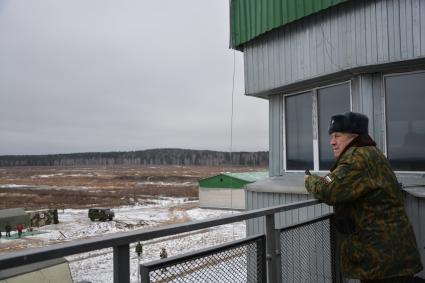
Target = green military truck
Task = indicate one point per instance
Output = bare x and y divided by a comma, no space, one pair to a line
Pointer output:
101,214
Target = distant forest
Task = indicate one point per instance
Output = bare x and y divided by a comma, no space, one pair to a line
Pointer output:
142,157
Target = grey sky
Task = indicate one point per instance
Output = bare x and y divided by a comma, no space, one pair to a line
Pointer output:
103,75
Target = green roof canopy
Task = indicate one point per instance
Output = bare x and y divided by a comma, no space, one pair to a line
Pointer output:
251,18
232,180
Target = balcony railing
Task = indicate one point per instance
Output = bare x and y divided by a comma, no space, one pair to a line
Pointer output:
297,254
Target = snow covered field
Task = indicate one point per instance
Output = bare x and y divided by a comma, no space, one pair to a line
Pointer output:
97,266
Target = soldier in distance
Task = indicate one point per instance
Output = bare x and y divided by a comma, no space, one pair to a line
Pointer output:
376,239
8,228
163,254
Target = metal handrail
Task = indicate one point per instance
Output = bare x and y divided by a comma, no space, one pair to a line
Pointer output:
121,241
260,242
200,253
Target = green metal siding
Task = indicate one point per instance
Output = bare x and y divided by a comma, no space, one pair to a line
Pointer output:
222,181
232,180
250,18
249,176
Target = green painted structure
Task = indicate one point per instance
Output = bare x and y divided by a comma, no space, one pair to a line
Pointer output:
13,217
54,270
226,190
232,180
251,18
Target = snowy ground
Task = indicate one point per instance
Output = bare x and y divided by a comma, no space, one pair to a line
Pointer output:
97,266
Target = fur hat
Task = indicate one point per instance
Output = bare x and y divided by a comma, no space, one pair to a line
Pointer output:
349,122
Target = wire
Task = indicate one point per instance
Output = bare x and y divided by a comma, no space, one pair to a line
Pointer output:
231,115
231,138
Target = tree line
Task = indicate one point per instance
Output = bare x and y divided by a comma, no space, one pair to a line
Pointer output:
143,157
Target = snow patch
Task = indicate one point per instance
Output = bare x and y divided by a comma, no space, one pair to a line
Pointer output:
13,186
97,266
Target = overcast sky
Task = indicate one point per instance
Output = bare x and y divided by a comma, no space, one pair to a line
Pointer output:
109,75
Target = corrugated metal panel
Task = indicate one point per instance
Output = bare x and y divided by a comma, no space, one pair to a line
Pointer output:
275,135
359,33
222,181
278,191
221,198
256,200
367,98
251,18
232,180
249,176
377,117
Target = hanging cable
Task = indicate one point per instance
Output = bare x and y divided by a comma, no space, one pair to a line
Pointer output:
231,139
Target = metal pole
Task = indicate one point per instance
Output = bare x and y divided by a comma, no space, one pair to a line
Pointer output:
273,251
261,260
122,264
139,251
138,269
144,273
336,272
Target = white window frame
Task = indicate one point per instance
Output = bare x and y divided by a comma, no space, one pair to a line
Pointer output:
384,110
315,121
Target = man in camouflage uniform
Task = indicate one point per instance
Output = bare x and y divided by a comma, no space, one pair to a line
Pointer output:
376,240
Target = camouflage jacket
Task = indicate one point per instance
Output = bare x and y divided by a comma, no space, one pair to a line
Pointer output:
380,242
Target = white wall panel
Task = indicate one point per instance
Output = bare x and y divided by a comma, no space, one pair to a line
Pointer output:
222,198
275,135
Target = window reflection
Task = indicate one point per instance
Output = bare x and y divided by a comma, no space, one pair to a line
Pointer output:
330,101
299,131
405,113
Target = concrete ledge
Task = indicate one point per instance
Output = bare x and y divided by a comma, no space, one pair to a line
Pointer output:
289,183
418,192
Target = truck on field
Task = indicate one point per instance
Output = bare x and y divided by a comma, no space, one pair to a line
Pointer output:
101,214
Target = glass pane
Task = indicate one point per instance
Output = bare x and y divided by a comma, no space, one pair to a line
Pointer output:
330,101
405,99
299,131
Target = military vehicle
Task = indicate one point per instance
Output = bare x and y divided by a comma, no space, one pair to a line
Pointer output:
43,217
101,214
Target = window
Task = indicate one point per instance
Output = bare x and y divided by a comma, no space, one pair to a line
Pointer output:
299,133
405,118
330,101
304,148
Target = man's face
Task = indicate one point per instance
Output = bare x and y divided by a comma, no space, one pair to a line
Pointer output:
339,141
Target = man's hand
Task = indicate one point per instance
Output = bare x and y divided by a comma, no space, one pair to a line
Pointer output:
307,174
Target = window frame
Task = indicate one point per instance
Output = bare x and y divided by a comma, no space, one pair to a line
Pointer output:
284,127
315,125
385,128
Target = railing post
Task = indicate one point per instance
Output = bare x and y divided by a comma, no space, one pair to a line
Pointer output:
336,272
144,274
273,251
122,264
261,260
